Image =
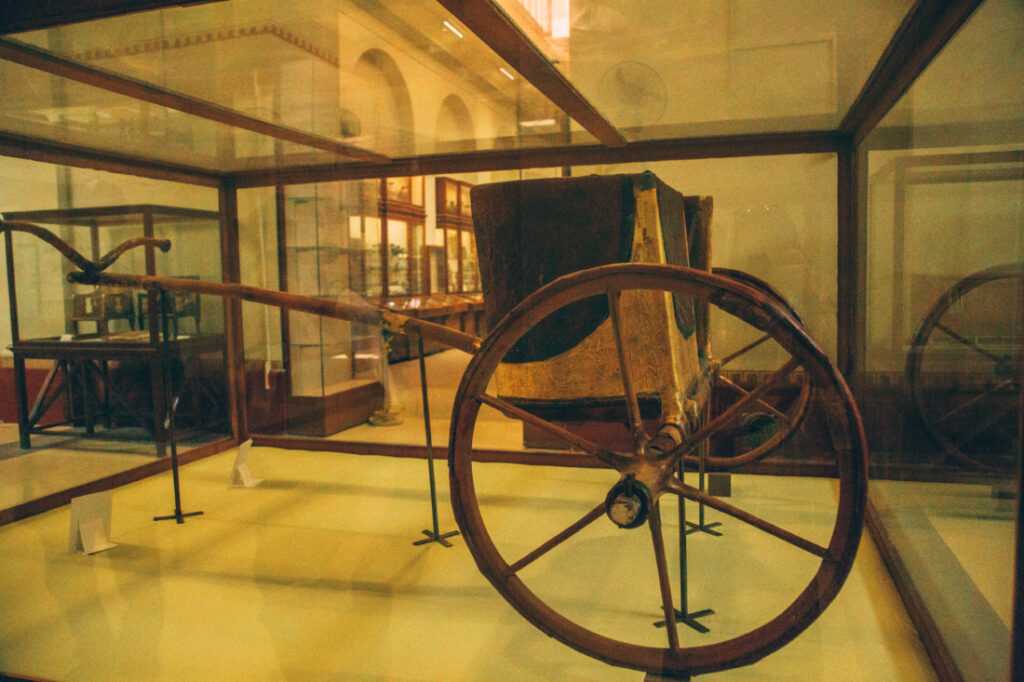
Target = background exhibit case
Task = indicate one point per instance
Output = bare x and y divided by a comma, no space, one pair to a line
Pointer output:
331,248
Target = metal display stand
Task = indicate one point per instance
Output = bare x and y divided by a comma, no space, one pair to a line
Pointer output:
434,535
701,526
683,614
171,404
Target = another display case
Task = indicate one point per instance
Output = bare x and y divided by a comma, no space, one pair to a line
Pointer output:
332,365
455,221
403,217
106,349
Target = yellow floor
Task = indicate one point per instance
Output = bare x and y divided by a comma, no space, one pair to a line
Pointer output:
58,462
313,575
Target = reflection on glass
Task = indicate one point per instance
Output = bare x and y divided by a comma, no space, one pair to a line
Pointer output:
326,260
451,249
436,269
470,268
398,257
416,260
943,324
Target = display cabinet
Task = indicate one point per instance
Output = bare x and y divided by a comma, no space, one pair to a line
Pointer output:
331,365
403,217
102,357
445,277
455,221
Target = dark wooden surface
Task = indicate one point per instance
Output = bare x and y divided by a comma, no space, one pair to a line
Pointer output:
102,350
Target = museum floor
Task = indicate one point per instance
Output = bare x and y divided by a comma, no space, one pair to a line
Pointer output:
313,575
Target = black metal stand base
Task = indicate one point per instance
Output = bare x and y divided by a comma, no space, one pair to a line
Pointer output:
432,535
438,538
177,516
703,528
690,620
666,677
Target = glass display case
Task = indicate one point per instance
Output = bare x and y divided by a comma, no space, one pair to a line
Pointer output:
331,365
886,213
403,216
106,349
455,220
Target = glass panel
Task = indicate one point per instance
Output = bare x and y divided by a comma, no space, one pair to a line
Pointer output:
90,367
470,269
416,260
347,71
941,388
398,257
435,254
41,106
330,244
452,254
773,218
399,189
677,69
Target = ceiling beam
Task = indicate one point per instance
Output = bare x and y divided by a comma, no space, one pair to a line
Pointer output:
29,16
925,30
551,157
45,151
44,60
489,23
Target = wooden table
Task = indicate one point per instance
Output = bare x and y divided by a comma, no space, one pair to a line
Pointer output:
82,374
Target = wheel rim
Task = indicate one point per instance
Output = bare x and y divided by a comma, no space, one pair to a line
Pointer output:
939,325
846,435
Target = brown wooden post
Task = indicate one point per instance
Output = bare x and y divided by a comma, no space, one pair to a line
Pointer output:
20,387
156,365
231,270
850,264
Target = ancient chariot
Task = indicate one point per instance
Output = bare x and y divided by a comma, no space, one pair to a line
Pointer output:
609,324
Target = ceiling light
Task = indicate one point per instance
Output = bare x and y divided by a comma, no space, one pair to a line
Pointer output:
507,74
536,123
454,30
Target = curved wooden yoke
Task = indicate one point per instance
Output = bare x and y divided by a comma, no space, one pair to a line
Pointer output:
91,272
81,262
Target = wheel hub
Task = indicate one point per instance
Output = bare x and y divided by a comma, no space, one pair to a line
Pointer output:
628,503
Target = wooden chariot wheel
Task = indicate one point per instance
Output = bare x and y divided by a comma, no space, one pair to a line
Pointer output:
768,422
637,480
963,368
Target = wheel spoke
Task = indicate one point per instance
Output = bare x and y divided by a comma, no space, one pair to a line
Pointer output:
980,427
632,406
739,389
654,520
967,342
975,400
691,493
558,539
729,414
610,458
749,347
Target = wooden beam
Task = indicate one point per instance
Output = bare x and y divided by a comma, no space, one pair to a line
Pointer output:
552,157
487,20
37,14
47,151
850,266
924,32
231,272
38,58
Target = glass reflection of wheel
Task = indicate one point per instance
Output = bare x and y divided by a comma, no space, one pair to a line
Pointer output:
771,420
963,368
647,474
